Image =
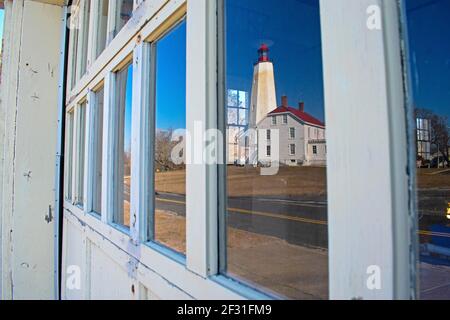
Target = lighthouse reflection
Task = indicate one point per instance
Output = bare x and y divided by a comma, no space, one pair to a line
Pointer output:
276,225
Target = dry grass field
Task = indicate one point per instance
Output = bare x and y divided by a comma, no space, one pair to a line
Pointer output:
246,181
294,271
433,178
289,182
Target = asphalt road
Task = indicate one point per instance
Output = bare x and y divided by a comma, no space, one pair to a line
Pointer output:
297,221
301,222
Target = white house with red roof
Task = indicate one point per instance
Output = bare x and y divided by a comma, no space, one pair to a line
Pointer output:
301,137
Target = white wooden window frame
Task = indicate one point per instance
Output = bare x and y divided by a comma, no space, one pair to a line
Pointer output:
91,141
374,100
84,43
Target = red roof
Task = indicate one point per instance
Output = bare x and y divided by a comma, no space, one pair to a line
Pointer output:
303,116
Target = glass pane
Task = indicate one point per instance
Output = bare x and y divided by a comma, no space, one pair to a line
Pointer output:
102,30
123,13
98,151
81,139
276,219
429,33
170,169
124,83
85,30
74,35
69,155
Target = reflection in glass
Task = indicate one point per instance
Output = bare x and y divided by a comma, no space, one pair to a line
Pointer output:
429,45
276,224
69,155
170,118
74,39
102,27
81,139
84,45
98,151
124,11
124,83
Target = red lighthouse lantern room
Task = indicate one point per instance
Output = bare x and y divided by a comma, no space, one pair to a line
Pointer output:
263,52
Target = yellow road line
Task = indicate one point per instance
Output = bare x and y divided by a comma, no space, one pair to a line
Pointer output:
171,201
436,234
298,219
278,216
258,213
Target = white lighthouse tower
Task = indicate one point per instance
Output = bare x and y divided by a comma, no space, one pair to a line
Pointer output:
263,100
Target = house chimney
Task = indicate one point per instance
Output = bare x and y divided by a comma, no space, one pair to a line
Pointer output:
284,101
301,106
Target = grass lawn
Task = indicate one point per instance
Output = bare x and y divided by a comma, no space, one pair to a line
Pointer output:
433,178
289,182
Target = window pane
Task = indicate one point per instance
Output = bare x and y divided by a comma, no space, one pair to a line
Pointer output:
429,33
124,83
276,219
74,35
69,155
98,151
83,46
81,134
170,169
123,13
102,29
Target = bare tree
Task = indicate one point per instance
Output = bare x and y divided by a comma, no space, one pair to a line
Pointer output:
164,144
439,132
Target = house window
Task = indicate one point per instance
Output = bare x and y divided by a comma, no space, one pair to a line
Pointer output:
428,27
124,11
292,149
80,161
69,155
123,112
314,149
274,120
169,158
292,133
102,26
262,246
97,151
268,133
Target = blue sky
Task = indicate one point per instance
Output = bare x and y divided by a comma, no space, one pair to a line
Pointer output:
128,108
170,84
292,31
296,55
171,79
429,43
2,17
